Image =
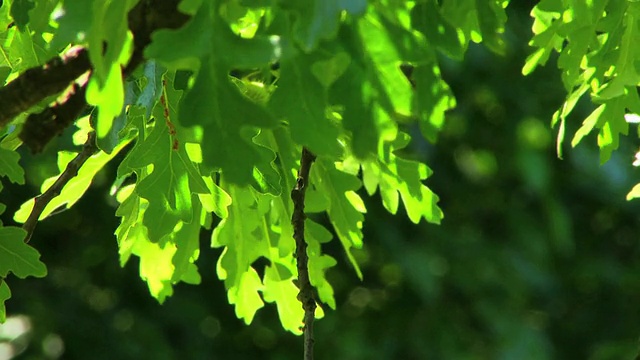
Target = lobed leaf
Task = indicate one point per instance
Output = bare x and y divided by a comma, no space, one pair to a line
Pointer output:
75,188
5,294
18,257
394,175
345,218
10,167
597,53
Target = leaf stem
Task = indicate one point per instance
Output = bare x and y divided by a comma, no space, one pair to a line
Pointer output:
69,173
305,296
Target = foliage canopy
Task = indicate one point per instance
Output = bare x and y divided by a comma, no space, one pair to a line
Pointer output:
214,120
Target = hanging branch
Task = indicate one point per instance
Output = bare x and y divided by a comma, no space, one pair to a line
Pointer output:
69,173
305,296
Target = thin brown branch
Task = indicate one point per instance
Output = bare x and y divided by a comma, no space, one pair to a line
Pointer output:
306,295
69,173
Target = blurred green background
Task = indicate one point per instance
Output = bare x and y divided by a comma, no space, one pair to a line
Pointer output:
537,258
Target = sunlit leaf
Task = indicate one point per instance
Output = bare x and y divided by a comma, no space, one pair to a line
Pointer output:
75,188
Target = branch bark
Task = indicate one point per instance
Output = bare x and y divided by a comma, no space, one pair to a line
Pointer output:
306,295
38,83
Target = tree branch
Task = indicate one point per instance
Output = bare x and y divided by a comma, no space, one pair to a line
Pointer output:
38,83
306,295
69,173
40,128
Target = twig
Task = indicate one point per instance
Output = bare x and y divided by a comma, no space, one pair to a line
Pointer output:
305,296
69,173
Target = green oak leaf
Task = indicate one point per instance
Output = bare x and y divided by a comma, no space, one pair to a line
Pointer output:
187,240
355,93
20,12
319,19
18,257
394,175
110,46
162,263
284,293
258,225
5,294
433,98
244,295
382,57
217,200
427,18
169,48
169,186
345,206
74,18
302,101
228,120
315,234
10,167
130,228
75,188
19,50
156,266
244,240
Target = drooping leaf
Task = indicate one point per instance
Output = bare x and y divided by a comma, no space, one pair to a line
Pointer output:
10,167
396,176
75,188
227,119
74,19
156,266
241,235
18,257
169,186
432,100
187,240
244,295
427,18
5,294
302,101
284,293
345,218
319,19
20,11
